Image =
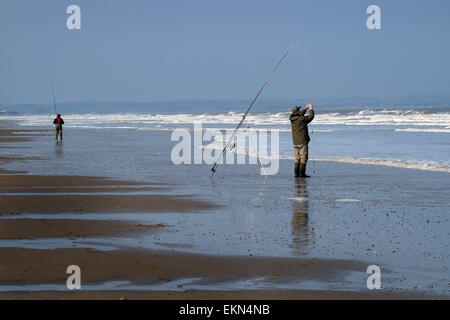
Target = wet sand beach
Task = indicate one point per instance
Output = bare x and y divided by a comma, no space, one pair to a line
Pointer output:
149,267
74,228
168,238
155,268
271,294
99,204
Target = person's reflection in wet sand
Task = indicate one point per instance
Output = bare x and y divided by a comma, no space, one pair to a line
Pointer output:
59,149
302,236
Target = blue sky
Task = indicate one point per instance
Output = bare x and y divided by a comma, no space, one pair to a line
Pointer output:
221,50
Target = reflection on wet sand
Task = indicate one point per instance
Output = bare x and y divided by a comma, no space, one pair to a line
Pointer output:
302,235
59,149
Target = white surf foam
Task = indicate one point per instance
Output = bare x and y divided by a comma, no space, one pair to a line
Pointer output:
390,163
299,199
446,130
363,118
348,200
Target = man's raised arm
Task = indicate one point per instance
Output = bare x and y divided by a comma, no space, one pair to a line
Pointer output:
310,115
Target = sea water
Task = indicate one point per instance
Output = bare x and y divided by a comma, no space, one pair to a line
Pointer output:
410,137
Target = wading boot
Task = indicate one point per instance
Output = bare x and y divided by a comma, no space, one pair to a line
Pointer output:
303,170
297,170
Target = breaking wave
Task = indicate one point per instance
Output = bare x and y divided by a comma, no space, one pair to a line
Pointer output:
390,163
410,118
446,130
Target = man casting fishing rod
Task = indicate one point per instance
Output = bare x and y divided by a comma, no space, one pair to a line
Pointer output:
58,122
216,163
300,137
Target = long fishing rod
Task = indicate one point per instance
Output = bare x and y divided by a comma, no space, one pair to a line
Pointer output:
54,99
216,163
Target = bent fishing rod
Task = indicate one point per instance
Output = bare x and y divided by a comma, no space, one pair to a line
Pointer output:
217,162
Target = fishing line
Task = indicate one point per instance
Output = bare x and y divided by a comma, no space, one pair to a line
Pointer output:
216,163
308,71
256,151
308,90
54,99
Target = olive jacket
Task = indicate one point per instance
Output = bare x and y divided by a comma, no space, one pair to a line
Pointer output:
299,124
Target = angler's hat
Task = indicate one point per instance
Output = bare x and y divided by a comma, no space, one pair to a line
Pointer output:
295,109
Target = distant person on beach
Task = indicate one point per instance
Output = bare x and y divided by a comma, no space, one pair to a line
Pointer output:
58,122
300,137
